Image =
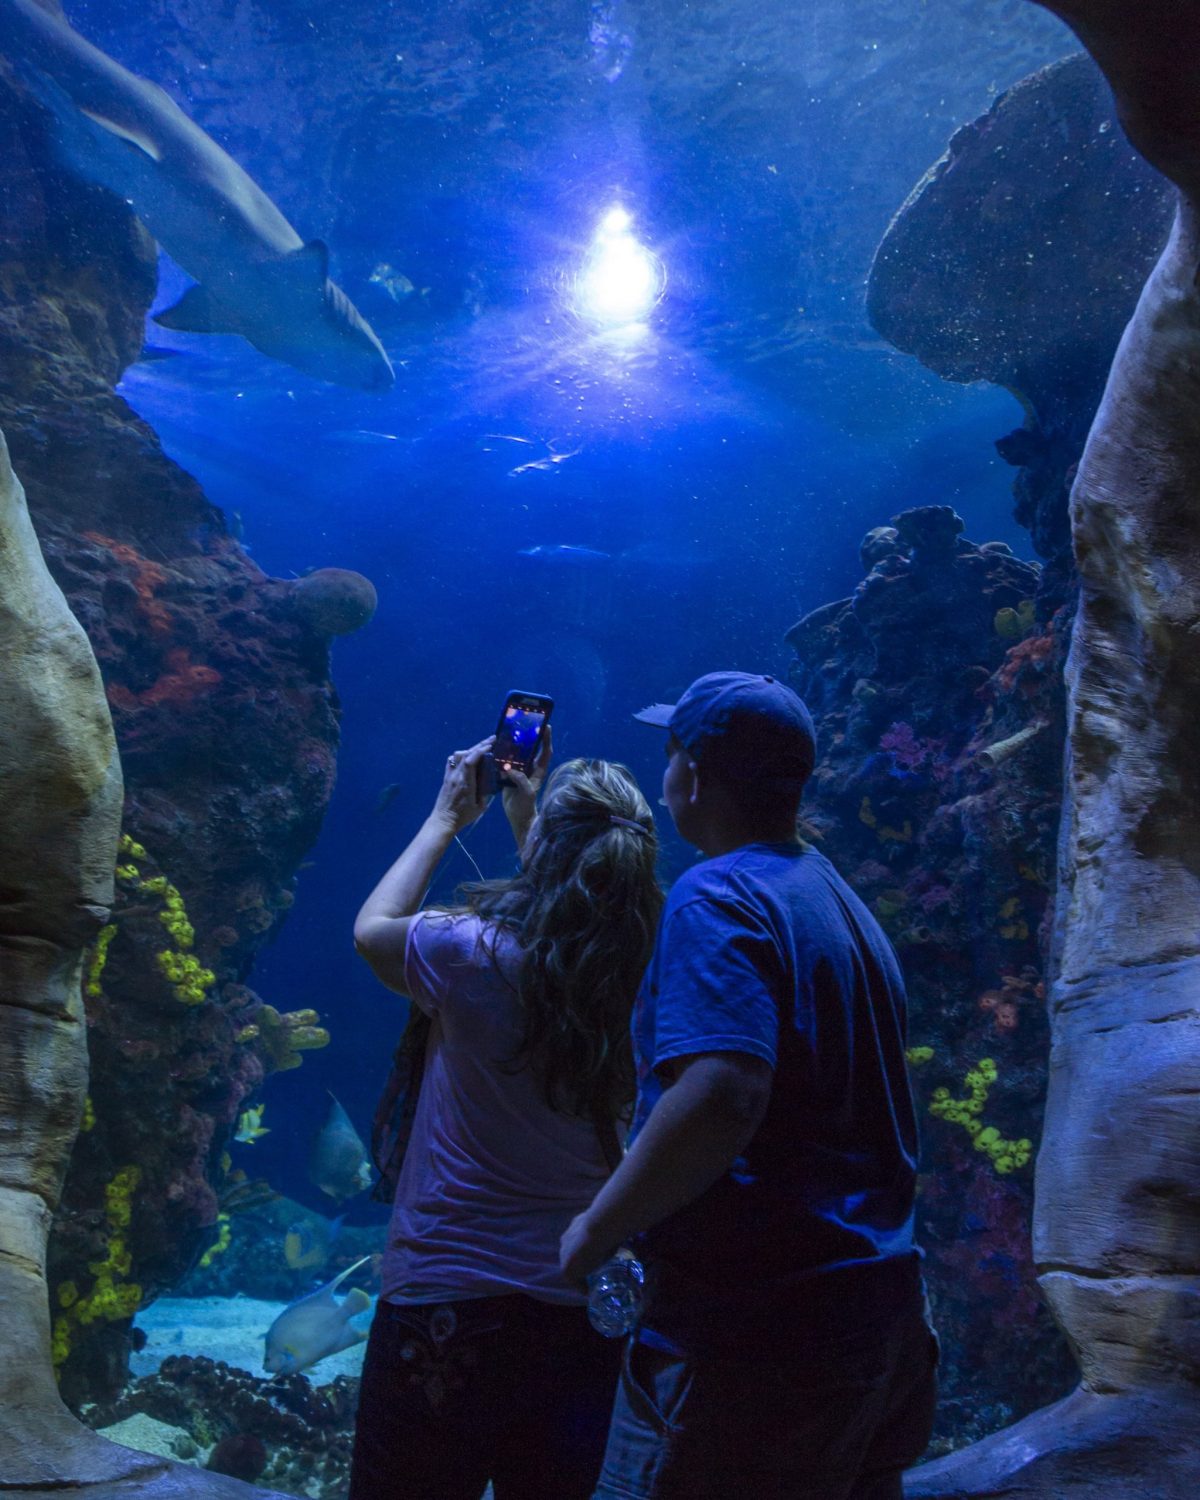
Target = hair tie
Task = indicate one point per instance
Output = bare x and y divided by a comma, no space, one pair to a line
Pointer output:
629,823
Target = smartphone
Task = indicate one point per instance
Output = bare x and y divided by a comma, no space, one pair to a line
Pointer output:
519,732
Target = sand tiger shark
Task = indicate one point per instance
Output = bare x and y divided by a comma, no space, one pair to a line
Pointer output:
255,275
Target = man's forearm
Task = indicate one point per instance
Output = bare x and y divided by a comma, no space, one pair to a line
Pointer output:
694,1133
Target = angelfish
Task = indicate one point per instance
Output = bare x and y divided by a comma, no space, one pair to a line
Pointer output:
338,1162
315,1326
256,276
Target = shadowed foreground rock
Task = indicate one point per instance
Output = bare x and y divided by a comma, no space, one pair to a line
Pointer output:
60,813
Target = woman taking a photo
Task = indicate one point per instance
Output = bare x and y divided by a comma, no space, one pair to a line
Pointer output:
481,1363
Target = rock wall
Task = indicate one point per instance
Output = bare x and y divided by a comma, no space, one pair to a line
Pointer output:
227,721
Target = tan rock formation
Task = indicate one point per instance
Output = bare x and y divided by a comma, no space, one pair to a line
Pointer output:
1117,1217
60,811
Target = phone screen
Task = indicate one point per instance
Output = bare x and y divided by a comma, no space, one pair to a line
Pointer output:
519,733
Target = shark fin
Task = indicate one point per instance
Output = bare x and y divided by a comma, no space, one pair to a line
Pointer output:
195,313
124,133
308,266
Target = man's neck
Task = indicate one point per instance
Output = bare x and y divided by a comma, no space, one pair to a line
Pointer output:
725,840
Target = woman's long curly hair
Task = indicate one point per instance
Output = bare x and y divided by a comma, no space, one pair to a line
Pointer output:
583,911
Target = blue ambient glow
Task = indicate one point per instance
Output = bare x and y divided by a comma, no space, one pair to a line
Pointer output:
621,279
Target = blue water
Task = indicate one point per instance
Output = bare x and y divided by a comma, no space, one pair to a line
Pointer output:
716,469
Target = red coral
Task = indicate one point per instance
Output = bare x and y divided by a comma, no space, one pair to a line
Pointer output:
1027,657
183,681
146,576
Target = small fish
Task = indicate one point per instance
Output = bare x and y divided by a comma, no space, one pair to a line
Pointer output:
250,1125
543,465
365,437
307,1243
395,283
387,796
565,552
318,1325
338,1162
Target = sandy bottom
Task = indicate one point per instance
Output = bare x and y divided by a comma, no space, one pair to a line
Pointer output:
227,1328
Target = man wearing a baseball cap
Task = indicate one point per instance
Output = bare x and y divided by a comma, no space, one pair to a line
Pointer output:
770,1173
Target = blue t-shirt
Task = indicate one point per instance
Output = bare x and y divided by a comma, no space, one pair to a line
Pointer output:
810,1233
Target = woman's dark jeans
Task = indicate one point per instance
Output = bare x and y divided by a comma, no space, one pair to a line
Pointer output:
502,1388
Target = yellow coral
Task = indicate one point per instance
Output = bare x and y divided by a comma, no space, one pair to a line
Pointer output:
89,1114
1005,1155
918,1055
99,959
286,1035
221,1243
110,1298
1011,624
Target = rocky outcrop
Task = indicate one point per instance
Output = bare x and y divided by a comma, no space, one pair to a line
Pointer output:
1018,259
1116,1230
59,823
217,680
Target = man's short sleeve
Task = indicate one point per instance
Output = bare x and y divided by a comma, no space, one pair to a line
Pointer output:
717,981
434,946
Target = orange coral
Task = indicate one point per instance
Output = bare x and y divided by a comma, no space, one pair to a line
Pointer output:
1032,653
146,576
182,682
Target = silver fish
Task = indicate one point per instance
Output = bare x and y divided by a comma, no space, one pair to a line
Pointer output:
318,1325
338,1162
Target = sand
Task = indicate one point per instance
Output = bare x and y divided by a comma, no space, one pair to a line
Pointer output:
226,1328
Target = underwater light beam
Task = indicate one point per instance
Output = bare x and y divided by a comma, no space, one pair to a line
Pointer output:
621,280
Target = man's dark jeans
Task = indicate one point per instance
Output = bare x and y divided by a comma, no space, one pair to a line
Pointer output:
839,1422
501,1388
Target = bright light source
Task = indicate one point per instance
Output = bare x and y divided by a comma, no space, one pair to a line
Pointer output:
621,279
615,221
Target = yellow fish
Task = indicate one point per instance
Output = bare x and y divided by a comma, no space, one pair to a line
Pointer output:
250,1125
306,1245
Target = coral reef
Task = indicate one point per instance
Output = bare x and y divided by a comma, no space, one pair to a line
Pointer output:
938,794
298,1433
226,721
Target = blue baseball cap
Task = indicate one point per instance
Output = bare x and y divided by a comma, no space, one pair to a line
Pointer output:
742,726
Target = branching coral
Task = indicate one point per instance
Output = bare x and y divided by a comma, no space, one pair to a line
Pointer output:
285,1036
111,1297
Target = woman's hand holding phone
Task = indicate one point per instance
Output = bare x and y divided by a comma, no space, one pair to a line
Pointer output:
521,792
464,795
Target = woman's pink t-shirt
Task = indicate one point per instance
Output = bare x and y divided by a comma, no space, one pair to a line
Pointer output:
492,1175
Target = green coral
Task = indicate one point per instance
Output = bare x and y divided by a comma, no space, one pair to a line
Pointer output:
1010,624
1005,1155
111,1297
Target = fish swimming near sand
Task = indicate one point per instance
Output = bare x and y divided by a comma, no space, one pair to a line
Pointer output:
314,1327
256,276
338,1163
